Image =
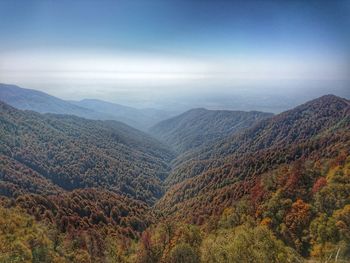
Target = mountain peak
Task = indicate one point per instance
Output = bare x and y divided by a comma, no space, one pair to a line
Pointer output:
329,99
325,106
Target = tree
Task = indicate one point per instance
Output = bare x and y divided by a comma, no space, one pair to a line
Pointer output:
246,244
24,240
184,253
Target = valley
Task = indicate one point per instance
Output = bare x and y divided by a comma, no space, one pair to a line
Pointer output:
191,187
174,131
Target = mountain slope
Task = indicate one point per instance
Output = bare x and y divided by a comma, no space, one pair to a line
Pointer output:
139,118
216,176
70,152
28,99
198,127
282,184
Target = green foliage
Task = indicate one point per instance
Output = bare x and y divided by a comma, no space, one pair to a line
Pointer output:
183,253
118,250
342,218
238,214
323,229
276,207
246,244
23,240
336,194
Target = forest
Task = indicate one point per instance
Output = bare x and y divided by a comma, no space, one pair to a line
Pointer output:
252,187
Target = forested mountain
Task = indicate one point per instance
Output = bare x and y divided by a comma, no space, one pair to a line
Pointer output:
87,180
289,174
217,175
28,99
138,118
273,189
71,152
198,127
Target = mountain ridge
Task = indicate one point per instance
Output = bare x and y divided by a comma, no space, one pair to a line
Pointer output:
69,150
139,118
198,127
303,132
30,99
106,190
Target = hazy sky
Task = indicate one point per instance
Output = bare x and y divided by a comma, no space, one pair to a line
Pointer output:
142,49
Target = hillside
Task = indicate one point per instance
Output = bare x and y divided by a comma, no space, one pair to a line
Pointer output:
29,99
77,226
94,191
70,152
199,127
139,118
213,177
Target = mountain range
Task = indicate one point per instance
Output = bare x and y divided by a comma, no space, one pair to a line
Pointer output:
186,188
199,127
29,99
223,171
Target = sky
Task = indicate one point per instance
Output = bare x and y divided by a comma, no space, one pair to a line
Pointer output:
136,52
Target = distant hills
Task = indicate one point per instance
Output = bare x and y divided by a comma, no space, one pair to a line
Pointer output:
199,127
138,118
28,99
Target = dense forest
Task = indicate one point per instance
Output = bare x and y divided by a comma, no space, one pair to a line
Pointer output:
72,152
199,127
233,187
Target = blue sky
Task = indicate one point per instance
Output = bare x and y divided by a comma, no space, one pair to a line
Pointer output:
176,26
135,45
